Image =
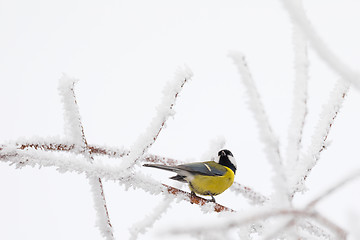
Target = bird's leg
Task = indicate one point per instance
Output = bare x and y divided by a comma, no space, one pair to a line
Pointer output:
192,195
212,198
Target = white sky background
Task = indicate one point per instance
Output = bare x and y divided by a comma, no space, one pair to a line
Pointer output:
124,52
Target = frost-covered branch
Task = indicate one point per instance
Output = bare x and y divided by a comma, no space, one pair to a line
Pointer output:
333,227
298,15
163,160
314,230
296,224
334,188
52,147
149,220
239,220
199,200
318,141
312,204
267,135
164,111
299,107
253,196
75,131
61,145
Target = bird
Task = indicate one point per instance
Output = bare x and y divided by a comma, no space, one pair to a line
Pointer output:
209,178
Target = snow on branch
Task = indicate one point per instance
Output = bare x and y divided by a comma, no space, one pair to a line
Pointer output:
57,144
318,141
318,144
30,153
241,220
149,220
299,108
103,218
75,131
164,111
311,205
334,188
298,16
267,135
163,160
210,206
313,230
253,196
296,224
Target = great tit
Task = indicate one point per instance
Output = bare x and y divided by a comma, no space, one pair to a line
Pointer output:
208,178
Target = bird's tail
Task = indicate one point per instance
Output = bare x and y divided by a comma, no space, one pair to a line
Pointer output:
164,167
179,178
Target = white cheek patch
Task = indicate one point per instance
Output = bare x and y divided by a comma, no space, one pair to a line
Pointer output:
232,160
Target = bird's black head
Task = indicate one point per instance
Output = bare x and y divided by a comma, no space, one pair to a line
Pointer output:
226,158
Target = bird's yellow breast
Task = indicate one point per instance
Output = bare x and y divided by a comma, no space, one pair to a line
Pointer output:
204,185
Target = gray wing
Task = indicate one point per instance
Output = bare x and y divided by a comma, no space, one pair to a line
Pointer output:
203,168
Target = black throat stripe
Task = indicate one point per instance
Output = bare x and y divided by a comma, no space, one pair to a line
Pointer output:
225,161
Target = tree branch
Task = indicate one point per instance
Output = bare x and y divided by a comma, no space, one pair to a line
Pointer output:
75,129
318,141
314,202
267,136
196,199
255,197
239,220
164,111
298,15
300,92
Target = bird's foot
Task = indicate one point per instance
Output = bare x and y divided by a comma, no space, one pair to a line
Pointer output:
212,198
192,195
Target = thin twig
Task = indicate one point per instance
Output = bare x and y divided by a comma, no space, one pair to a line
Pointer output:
165,110
66,147
239,220
337,230
318,143
299,107
250,194
298,15
66,85
149,220
281,229
196,199
267,136
314,202
332,189
314,230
